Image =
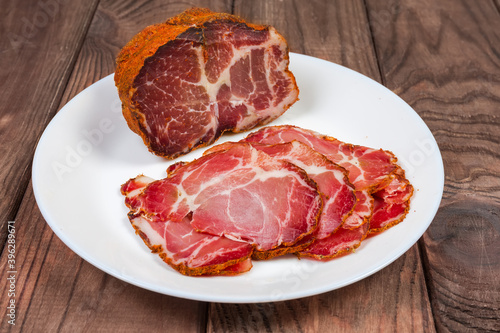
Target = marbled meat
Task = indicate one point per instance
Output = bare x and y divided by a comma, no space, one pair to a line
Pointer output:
184,82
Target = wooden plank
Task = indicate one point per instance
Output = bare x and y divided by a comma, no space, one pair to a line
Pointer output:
40,42
323,29
443,59
394,299
56,289
31,243
388,301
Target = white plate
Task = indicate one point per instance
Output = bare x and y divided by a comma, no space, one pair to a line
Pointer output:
87,151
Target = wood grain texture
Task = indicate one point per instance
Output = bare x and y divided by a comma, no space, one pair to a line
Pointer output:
41,41
462,250
34,234
388,301
58,291
443,58
332,30
394,299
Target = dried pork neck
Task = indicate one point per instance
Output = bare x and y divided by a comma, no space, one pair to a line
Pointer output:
184,82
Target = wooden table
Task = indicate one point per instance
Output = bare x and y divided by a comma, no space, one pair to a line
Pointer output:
441,57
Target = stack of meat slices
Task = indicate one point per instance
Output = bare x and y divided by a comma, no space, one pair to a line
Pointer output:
280,190
382,191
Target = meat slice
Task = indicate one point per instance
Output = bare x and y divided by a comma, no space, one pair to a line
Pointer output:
184,82
240,193
391,203
343,241
336,190
182,247
363,210
370,171
367,167
333,184
338,152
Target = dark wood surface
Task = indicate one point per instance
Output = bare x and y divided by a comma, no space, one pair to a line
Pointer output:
441,57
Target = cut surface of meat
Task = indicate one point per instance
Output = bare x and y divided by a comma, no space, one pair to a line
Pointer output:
370,171
337,192
367,167
186,81
240,193
182,247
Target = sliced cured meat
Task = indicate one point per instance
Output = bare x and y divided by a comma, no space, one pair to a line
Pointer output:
269,203
343,241
266,196
333,184
336,190
363,210
182,247
398,189
241,193
391,203
336,151
367,167
370,170
386,215
283,249
172,167
238,268
184,82
191,252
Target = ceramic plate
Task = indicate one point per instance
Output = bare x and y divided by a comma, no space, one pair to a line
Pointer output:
87,151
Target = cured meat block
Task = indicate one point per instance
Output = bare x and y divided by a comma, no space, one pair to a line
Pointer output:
184,82
182,247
